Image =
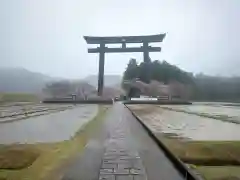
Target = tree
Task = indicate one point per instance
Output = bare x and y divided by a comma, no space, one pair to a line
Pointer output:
182,83
157,70
66,88
132,70
155,76
58,89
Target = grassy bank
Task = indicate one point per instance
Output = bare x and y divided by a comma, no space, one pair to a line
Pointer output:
219,172
43,158
207,153
214,160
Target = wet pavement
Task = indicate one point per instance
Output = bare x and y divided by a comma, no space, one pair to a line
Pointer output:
53,127
121,150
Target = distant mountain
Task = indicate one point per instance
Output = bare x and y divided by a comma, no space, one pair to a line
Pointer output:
109,80
22,80
19,80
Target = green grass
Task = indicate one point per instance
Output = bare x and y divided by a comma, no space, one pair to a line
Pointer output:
207,153
214,160
17,157
219,172
17,97
54,155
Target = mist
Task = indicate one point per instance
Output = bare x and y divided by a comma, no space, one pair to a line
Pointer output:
47,36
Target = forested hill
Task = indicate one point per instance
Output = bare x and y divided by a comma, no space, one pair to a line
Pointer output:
204,87
160,71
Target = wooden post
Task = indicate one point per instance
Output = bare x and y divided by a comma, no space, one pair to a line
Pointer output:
145,52
101,69
146,62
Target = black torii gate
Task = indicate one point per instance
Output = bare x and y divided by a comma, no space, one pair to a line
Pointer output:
102,49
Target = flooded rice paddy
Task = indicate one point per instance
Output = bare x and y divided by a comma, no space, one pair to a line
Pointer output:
53,127
190,126
227,112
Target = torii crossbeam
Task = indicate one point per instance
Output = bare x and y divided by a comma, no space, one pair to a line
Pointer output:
102,49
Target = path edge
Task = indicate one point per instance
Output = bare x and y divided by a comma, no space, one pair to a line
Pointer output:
187,173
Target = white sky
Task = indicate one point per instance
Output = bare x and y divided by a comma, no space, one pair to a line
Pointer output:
46,35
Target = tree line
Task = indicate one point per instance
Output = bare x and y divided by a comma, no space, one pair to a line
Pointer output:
203,87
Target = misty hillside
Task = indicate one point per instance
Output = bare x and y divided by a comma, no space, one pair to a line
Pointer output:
22,80
109,80
25,81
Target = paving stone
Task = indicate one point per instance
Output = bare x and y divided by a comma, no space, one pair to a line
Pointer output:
109,166
107,177
115,161
118,137
139,177
125,165
118,159
106,171
117,153
132,153
124,151
121,171
112,157
108,150
137,171
124,177
137,164
114,149
126,157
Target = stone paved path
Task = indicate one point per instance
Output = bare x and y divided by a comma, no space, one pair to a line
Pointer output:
120,161
122,150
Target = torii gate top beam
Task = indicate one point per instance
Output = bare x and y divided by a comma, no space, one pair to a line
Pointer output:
124,39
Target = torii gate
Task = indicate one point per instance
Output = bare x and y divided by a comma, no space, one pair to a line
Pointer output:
102,41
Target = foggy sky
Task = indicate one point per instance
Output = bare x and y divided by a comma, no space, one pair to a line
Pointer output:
46,35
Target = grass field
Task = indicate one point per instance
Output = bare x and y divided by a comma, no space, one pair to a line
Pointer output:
38,161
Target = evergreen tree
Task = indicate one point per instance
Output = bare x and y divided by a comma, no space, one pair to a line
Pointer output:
132,70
